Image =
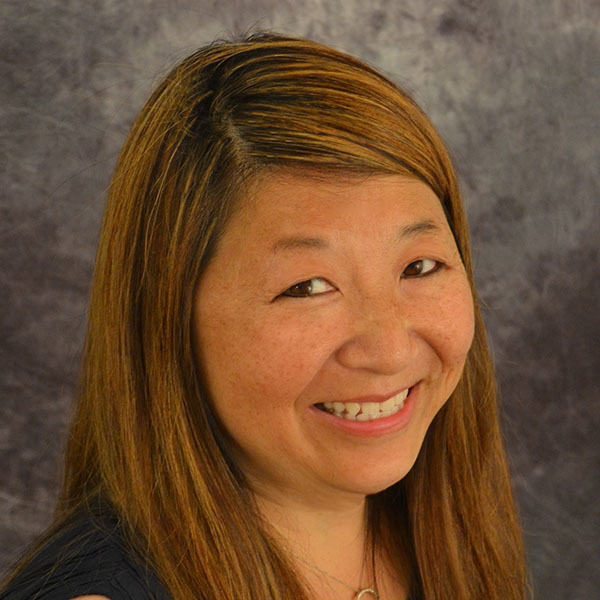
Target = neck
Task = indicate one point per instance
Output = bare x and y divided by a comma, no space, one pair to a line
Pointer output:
330,538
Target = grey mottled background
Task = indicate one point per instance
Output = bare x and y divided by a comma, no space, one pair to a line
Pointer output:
514,87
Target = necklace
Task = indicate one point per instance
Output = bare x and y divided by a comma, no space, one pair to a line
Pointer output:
359,593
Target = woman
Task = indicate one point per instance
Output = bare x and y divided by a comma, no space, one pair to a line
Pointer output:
286,389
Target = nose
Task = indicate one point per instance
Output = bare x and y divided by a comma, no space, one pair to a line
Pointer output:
379,338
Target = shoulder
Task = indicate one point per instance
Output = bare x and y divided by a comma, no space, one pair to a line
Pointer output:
86,559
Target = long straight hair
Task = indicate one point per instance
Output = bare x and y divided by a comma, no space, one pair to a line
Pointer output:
144,438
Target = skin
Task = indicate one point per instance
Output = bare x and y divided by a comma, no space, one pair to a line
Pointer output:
387,312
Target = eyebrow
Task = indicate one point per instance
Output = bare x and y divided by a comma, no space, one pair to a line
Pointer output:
418,228
295,242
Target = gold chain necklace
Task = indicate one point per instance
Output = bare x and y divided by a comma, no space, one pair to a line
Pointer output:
359,593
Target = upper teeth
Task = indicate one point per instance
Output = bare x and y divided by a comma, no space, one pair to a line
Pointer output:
367,411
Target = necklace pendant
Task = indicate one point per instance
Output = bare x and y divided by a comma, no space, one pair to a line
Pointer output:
361,593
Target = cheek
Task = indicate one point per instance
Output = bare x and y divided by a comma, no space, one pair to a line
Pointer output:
294,350
254,366
447,324
458,326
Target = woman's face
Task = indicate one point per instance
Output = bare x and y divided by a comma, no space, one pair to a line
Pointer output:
349,292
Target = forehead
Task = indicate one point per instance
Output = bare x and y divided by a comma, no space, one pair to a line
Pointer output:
288,203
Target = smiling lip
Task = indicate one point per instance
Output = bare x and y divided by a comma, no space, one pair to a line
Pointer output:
370,415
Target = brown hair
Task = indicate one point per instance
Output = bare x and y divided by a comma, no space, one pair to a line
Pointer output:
143,436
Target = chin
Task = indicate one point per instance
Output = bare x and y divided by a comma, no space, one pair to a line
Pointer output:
373,483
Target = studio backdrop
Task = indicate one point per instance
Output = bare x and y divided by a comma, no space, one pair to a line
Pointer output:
514,88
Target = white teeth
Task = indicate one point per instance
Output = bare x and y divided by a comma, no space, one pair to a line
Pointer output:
367,411
352,408
388,404
370,408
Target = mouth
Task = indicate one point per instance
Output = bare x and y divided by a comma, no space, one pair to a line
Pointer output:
365,411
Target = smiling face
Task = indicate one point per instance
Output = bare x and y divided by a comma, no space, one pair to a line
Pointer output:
324,301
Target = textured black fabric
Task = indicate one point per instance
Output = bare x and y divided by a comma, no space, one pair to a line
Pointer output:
87,557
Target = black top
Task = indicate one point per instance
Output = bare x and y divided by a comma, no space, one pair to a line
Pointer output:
87,557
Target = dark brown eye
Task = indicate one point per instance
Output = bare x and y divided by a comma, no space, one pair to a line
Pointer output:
310,287
425,266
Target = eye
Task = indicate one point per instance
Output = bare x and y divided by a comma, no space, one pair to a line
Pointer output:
310,287
422,267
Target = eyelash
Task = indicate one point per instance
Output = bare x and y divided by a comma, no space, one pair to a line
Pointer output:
437,265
